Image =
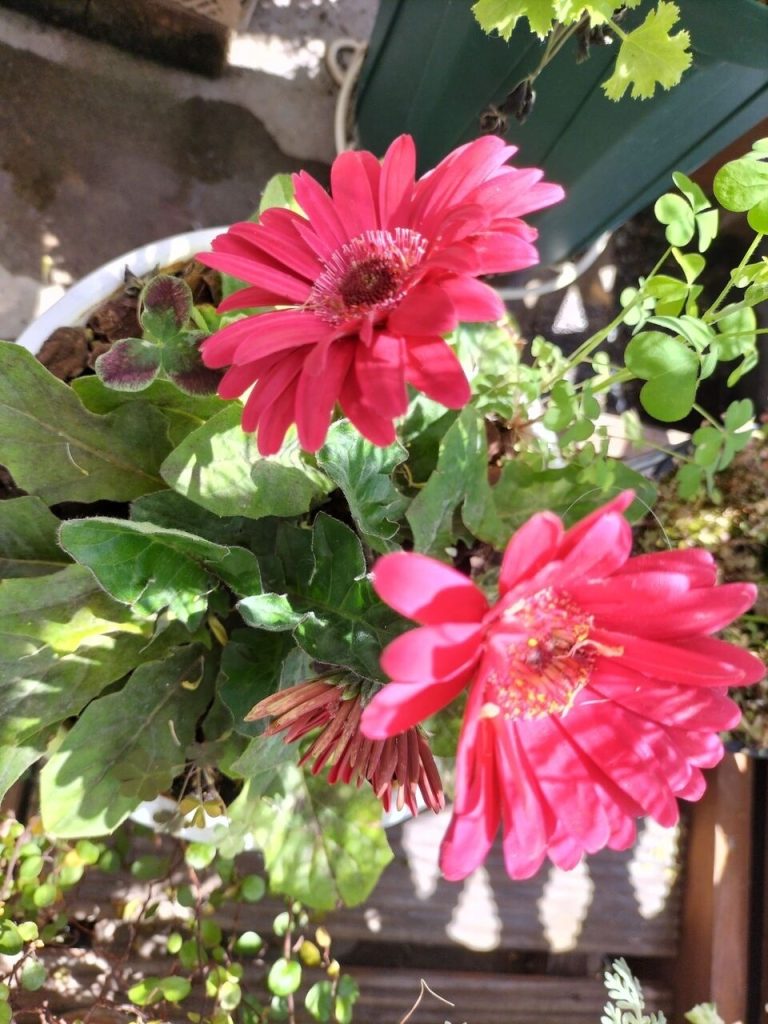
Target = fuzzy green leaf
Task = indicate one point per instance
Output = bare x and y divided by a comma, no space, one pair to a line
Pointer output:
321,844
650,55
155,569
78,456
39,687
148,724
363,471
28,539
219,467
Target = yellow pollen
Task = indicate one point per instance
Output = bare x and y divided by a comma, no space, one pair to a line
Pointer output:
541,673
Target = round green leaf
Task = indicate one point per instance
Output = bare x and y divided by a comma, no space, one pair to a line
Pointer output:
758,217
28,930
199,855
11,941
6,1014
45,895
230,995
742,184
33,975
671,371
175,989
319,1001
248,944
673,211
252,888
284,977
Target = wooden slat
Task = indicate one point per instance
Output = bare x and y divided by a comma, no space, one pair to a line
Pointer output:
714,942
481,998
616,902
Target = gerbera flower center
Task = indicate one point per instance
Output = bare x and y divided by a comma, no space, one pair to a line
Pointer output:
540,656
368,275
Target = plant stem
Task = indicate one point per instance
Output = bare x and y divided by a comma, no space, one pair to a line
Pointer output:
746,258
588,347
707,416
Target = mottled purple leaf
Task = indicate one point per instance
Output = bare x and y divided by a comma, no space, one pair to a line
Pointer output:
130,365
166,305
183,365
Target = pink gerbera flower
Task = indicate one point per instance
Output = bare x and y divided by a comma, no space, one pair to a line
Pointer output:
369,280
596,689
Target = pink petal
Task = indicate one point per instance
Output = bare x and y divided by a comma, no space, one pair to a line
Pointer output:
396,185
575,533
273,332
432,653
687,662
400,706
472,832
276,235
527,819
275,422
727,656
676,616
426,309
354,187
282,374
434,369
377,429
427,591
531,547
623,589
250,298
567,781
697,564
283,283
599,551
380,374
501,253
473,301
319,208
316,395
666,703
236,380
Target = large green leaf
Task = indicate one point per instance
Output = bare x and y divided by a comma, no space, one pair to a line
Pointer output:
363,471
28,539
57,449
184,412
39,687
321,844
219,467
461,475
671,371
319,587
250,669
156,569
63,610
123,747
16,757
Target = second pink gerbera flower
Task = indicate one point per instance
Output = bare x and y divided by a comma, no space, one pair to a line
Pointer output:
596,691
368,282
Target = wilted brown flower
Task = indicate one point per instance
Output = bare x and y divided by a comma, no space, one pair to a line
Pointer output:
396,767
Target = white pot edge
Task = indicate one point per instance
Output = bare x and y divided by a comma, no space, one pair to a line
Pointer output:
74,306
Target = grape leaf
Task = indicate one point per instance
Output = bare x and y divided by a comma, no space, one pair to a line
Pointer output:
650,55
503,15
